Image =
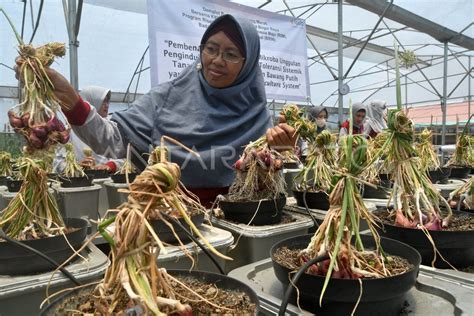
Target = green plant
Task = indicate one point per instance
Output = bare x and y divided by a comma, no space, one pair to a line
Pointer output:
35,117
5,164
464,152
407,58
72,168
416,201
342,222
318,171
33,212
258,171
428,158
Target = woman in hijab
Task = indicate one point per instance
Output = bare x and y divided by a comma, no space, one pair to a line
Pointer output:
216,106
318,115
375,123
99,98
358,116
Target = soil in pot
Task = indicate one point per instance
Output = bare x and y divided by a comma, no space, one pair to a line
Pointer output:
264,212
455,243
13,185
19,261
121,178
314,200
460,172
221,290
76,182
97,174
381,296
440,175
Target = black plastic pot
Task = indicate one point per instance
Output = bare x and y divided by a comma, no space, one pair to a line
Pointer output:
165,233
291,165
384,296
76,182
383,188
269,211
53,176
314,200
121,178
457,247
440,175
13,185
18,261
221,281
3,180
460,172
97,174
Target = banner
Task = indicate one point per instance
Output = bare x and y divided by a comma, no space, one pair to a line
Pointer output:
175,29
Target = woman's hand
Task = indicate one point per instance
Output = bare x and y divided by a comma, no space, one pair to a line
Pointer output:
63,90
103,167
87,163
281,137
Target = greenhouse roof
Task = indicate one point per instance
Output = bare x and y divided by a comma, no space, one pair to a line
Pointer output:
110,51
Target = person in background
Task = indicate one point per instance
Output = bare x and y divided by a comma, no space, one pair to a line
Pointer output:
319,116
358,116
99,98
375,123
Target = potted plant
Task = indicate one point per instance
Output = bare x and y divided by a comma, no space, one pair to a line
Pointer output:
195,212
134,282
421,217
359,274
73,174
126,173
290,160
429,159
463,158
378,183
90,166
5,167
314,181
463,197
32,216
258,194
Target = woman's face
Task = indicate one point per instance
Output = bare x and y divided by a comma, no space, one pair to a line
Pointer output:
218,72
322,115
104,109
359,118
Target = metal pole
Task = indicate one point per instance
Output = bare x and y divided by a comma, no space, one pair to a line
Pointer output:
406,91
73,44
445,91
469,88
340,61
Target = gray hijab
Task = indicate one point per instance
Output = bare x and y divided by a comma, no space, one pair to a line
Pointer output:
375,113
217,123
315,111
94,95
356,107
